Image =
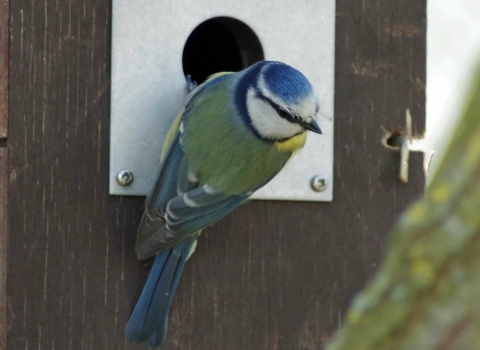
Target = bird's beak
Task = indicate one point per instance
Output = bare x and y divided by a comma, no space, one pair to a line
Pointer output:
313,126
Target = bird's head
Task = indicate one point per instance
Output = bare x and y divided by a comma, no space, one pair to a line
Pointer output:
280,102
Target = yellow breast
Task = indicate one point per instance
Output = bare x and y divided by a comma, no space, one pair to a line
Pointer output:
292,144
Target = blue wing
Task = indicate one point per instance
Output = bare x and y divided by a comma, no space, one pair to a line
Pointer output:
175,211
178,206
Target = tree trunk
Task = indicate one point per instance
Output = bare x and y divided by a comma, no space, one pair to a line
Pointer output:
426,294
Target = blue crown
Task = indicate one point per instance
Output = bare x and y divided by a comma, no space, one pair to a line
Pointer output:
287,82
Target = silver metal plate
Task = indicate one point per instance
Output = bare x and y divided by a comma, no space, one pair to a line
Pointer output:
148,85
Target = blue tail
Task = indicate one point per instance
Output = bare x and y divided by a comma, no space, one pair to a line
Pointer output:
148,322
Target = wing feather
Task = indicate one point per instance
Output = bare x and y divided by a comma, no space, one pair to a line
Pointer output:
178,206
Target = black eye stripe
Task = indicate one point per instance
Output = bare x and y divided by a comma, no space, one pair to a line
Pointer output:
281,112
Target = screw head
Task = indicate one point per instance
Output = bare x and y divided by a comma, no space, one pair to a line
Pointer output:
124,177
319,184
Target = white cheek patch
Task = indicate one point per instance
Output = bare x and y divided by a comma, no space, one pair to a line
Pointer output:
266,120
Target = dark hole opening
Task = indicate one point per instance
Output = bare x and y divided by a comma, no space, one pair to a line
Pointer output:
220,44
395,138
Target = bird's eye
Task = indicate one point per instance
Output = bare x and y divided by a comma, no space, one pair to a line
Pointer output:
284,114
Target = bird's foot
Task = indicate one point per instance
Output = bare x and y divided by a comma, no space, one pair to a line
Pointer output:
191,84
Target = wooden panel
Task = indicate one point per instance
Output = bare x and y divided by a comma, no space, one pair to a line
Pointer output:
3,246
273,275
4,54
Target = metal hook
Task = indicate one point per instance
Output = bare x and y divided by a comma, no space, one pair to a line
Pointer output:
401,141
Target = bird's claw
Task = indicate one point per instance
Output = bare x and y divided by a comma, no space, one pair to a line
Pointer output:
191,84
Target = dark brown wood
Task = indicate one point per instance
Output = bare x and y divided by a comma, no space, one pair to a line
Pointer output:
4,55
3,246
4,60
273,275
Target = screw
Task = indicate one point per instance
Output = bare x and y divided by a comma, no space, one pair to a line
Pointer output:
124,177
319,184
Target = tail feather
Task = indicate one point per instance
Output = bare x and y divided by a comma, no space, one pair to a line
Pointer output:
157,340
148,321
158,337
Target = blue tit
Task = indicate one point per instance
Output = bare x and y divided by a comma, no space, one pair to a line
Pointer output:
236,132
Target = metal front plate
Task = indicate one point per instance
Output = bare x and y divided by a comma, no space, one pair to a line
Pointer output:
148,85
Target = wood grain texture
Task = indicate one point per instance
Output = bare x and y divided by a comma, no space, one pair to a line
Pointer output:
4,60
3,246
4,56
272,275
